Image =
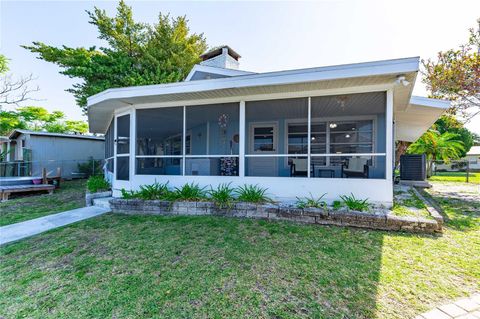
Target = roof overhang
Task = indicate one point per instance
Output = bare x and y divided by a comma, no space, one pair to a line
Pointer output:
220,71
380,73
418,117
17,132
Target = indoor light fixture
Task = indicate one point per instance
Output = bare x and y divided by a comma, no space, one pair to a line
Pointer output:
333,125
402,80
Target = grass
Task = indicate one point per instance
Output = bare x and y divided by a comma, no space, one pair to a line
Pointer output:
403,206
71,195
119,266
455,177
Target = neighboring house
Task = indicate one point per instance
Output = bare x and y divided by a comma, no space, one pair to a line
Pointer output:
3,148
318,130
473,158
30,151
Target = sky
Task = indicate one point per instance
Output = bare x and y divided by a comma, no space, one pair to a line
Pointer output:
270,36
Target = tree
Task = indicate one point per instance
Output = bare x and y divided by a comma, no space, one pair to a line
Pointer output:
449,123
13,91
137,53
455,76
3,64
437,146
39,119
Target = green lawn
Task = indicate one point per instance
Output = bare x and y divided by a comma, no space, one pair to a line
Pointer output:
71,195
455,177
119,266
407,203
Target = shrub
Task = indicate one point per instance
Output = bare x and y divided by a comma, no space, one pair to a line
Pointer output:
354,203
97,183
90,168
129,194
252,194
190,192
223,195
154,191
337,204
311,202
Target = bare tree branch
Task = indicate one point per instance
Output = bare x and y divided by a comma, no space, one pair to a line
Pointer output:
15,91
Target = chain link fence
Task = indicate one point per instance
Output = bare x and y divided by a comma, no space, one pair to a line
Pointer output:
68,168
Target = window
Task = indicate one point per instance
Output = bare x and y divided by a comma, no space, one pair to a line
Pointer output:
345,125
263,138
351,137
267,152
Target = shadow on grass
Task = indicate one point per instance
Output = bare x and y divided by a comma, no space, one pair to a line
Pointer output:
177,267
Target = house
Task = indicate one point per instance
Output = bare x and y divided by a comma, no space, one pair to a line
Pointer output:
28,152
317,130
473,158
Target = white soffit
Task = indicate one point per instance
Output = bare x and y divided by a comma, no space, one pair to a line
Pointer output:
101,105
418,117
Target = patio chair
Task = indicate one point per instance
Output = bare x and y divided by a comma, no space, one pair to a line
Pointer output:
355,167
298,167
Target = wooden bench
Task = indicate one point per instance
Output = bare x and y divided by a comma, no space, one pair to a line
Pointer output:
5,191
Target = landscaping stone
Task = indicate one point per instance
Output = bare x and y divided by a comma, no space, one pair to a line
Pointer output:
467,308
89,197
379,219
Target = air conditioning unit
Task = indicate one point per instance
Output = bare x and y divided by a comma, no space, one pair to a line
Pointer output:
413,167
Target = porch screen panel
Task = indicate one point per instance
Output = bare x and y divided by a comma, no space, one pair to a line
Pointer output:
109,146
276,138
159,145
346,125
213,140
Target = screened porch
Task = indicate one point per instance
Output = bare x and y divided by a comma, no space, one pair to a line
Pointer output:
338,136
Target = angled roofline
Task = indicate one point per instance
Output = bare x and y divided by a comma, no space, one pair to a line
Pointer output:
364,69
425,101
212,69
40,133
218,50
473,150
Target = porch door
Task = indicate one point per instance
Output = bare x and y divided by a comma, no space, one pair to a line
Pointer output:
122,150
263,141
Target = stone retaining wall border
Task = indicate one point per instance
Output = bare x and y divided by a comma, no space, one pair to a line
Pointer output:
381,220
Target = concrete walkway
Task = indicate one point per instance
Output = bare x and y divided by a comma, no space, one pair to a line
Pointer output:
32,227
467,308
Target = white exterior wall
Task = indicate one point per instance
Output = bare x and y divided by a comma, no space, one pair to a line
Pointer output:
379,191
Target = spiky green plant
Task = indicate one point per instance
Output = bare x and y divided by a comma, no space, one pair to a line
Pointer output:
129,194
223,196
311,202
252,194
337,204
354,203
189,192
155,191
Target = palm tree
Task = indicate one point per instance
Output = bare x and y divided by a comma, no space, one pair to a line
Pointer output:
436,146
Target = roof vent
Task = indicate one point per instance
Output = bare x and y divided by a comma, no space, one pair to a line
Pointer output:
221,57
